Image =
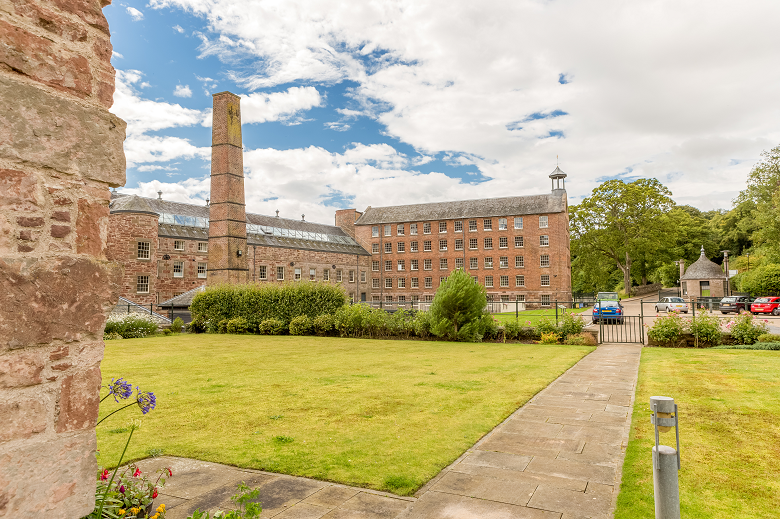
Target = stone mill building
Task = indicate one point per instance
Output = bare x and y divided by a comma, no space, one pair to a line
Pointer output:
703,278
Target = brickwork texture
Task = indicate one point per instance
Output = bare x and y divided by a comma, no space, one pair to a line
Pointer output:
60,151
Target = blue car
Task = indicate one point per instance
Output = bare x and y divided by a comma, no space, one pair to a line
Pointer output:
608,311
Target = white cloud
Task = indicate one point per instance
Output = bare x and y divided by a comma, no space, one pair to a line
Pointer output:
182,91
144,115
115,54
261,107
666,88
135,14
178,28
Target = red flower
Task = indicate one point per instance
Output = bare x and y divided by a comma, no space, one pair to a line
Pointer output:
154,494
170,473
137,472
104,475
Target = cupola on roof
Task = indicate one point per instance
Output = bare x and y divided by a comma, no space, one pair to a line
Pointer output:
703,268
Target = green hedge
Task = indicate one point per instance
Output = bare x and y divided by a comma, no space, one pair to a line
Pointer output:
257,303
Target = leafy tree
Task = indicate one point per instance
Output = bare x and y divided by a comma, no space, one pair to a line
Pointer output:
736,227
458,309
624,221
761,280
763,189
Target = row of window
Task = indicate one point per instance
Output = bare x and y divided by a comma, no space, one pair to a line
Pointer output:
298,273
145,248
545,299
487,225
503,282
503,243
414,264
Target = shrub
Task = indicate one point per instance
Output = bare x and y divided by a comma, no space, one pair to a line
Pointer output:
760,280
549,338
705,329
256,303
323,324
769,337
271,327
666,330
111,336
167,331
300,325
512,330
352,320
579,339
130,326
177,325
198,325
570,324
492,330
458,308
401,324
745,329
237,325
422,324
545,325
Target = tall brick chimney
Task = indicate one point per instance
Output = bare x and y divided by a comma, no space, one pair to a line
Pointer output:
227,213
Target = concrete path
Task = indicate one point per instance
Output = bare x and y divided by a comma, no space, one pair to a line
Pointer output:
558,457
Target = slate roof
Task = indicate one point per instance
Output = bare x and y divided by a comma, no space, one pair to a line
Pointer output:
132,203
183,300
487,207
703,268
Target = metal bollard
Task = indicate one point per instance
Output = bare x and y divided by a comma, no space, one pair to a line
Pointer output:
666,460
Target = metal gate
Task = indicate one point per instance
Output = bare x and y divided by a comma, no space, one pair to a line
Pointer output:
626,329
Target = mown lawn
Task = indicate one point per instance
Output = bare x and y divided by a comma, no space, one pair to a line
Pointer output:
386,415
729,404
531,317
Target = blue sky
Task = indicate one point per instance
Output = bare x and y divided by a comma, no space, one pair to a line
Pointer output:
348,103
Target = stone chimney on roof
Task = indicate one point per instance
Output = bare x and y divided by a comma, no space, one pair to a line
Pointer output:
227,212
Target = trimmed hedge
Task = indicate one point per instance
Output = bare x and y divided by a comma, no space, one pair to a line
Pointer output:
756,346
257,303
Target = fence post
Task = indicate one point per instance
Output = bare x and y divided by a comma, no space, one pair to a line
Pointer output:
693,305
556,312
517,309
642,319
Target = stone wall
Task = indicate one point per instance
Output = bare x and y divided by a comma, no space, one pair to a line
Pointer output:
60,150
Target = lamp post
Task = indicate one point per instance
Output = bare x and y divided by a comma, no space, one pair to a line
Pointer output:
726,265
666,460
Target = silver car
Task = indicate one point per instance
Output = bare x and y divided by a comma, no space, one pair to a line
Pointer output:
674,304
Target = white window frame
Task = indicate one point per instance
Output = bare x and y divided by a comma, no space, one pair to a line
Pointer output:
488,262
503,281
399,230
140,282
202,269
544,260
415,283
427,228
458,226
262,272
519,242
413,229
144,249
518,222
488,281
280,273
487,224
519,280
502,224
544,240
442,227
428,264
544,222
519,262
503,242
545,280
297,274
180,272
375,231
443,264
203,246
178,245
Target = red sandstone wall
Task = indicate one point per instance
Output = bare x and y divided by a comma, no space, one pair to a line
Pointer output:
271,258
559,270
60,150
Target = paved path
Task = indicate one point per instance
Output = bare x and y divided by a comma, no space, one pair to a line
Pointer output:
558,457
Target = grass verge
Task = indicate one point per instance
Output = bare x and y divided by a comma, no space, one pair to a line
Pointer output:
387,415
729,404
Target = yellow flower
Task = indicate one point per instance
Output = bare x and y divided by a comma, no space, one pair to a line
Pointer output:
135,511
161,508
155,516
121,511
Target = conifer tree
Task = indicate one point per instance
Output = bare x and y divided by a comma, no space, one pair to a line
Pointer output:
458,310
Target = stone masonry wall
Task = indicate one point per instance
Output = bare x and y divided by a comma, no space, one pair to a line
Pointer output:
124,233
290,259
60,151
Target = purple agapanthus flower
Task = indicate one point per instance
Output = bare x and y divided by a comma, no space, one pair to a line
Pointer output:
120,389
146,401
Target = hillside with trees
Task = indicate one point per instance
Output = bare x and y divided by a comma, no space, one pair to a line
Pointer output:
633,232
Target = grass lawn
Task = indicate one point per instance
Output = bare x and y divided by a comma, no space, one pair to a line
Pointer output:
729,404
386,415
531,317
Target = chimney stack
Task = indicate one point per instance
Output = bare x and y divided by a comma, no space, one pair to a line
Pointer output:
227,213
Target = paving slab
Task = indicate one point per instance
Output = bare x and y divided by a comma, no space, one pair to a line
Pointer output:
558,457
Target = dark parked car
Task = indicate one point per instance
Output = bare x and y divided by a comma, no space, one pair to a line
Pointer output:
608,311
766,305
736,304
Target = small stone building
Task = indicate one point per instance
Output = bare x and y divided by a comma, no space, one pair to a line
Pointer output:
703,278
